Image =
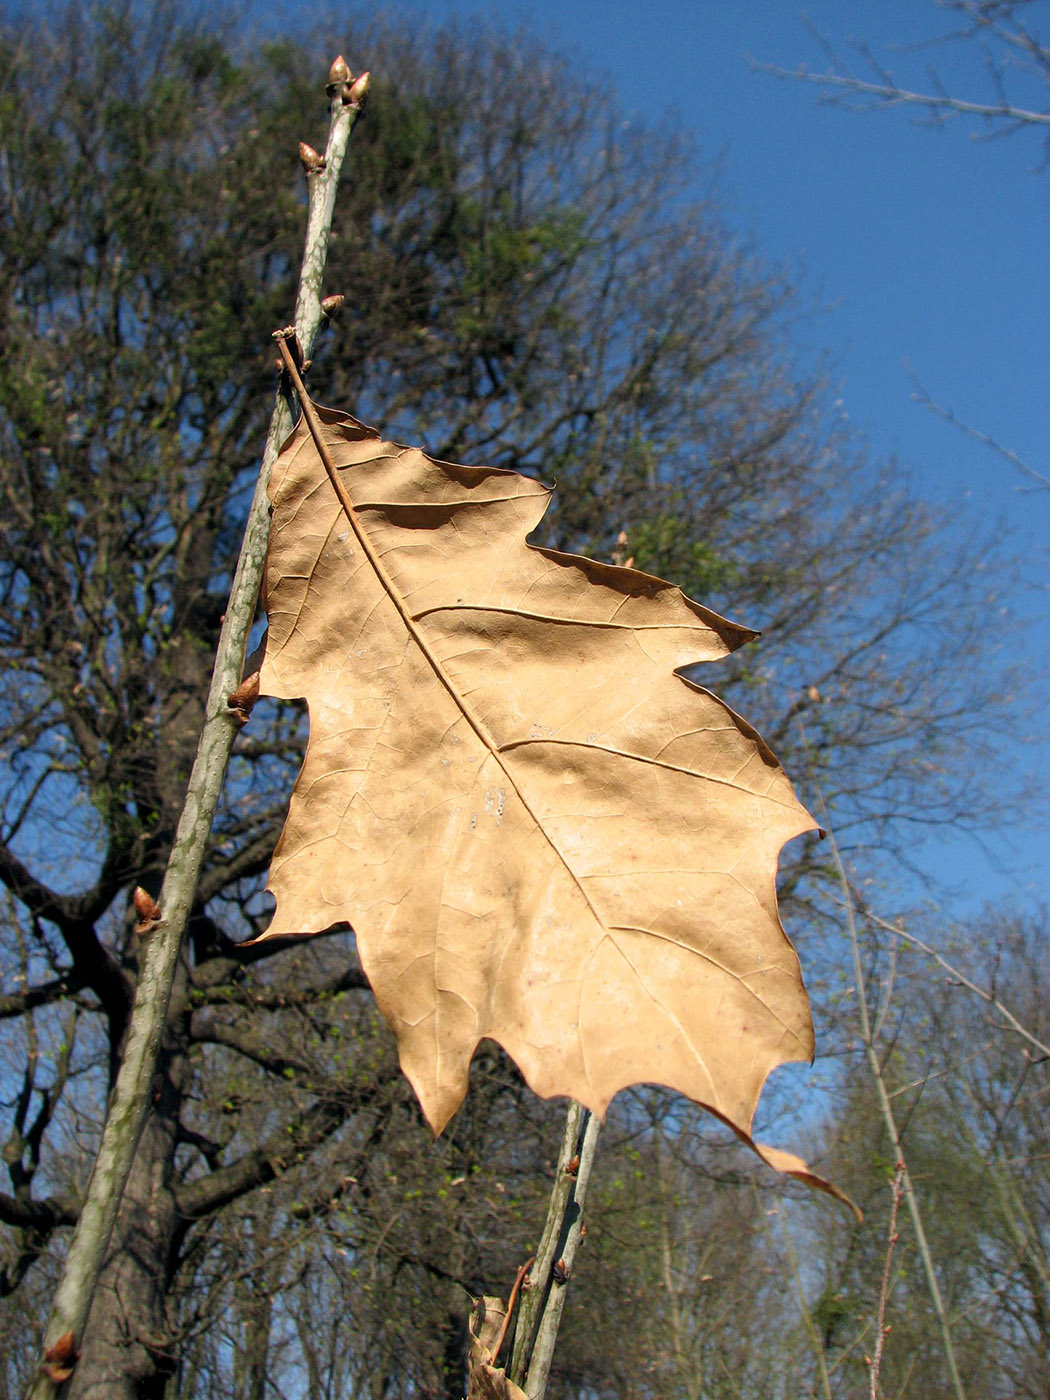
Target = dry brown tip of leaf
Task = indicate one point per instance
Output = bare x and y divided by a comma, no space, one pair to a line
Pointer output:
358,89
312,161
330,305
339,72
60,1359
571,1168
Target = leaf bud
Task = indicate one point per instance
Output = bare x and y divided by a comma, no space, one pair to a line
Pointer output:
330,305
60,1359
358,89
339,72
148,910
242,700
146,907
312,162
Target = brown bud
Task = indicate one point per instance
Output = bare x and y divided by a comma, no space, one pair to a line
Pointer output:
562,1272
313,163
148,910
60,1359
358,89
571,1168
242,700
339,72
330,305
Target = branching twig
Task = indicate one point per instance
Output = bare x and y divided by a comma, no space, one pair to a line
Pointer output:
921,396
1012,1022
130,1099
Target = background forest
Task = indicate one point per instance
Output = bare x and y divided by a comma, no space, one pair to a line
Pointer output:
530,282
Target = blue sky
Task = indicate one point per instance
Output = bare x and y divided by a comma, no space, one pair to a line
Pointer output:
925,248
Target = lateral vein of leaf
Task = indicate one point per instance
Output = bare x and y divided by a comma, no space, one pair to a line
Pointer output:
742,981
654,762
551,617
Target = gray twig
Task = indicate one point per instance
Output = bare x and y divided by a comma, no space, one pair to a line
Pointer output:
543,1301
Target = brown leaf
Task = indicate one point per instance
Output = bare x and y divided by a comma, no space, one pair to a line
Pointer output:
538,830
488,1382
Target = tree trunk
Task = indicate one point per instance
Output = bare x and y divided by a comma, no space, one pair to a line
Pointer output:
126,1351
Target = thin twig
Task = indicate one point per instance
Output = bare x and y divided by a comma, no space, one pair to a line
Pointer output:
804,1308
523,1274
1012,1022
881,1329
921,396
543,1300
939,105
130,1099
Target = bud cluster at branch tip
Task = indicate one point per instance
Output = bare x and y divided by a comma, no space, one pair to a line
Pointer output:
342,84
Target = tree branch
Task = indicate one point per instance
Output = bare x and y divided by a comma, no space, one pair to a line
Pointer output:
93,964
890,95
40,1216
211,1193
18,1003
248,1043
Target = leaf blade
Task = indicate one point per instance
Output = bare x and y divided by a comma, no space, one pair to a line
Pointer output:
601,834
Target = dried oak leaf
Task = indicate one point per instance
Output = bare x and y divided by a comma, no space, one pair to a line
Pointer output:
539,832
485,1380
